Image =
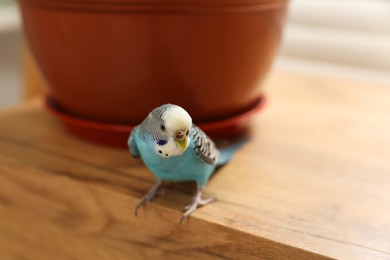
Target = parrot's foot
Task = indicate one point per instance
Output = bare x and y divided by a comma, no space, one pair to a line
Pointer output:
152,193
198,202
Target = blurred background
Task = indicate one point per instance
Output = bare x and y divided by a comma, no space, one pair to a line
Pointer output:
11,39
347,39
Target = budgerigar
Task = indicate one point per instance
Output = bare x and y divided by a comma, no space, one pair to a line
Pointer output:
176,150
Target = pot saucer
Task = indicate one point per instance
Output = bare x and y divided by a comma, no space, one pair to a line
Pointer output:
117,134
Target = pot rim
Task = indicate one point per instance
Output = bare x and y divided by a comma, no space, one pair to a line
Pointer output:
158,6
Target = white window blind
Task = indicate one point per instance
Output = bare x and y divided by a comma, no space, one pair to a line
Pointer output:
353,33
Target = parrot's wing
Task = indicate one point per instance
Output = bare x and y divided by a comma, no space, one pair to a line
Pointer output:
132,144
205,148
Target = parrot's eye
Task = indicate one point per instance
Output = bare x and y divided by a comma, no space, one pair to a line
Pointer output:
179,135
187,133
162,127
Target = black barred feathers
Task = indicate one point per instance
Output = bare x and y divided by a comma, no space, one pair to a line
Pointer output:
204,147
154,124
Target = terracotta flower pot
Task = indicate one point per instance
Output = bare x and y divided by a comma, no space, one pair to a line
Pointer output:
113,61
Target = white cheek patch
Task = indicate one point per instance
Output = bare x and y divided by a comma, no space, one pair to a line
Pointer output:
169,149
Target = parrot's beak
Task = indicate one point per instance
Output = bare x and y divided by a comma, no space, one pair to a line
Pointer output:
183,143
182,140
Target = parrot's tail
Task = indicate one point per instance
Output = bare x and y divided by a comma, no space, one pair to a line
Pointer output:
227,152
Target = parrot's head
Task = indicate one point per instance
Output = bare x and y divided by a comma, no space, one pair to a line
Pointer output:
171,129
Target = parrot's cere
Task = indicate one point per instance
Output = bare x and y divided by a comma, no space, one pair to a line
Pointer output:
176,150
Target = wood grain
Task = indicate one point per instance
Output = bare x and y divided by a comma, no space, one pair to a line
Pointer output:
313,182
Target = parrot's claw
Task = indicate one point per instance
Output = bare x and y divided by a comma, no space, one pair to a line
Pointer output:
152,193
198,202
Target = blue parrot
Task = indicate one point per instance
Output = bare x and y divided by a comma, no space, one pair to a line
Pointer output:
176,150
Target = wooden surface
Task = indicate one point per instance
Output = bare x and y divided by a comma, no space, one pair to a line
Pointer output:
313,182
